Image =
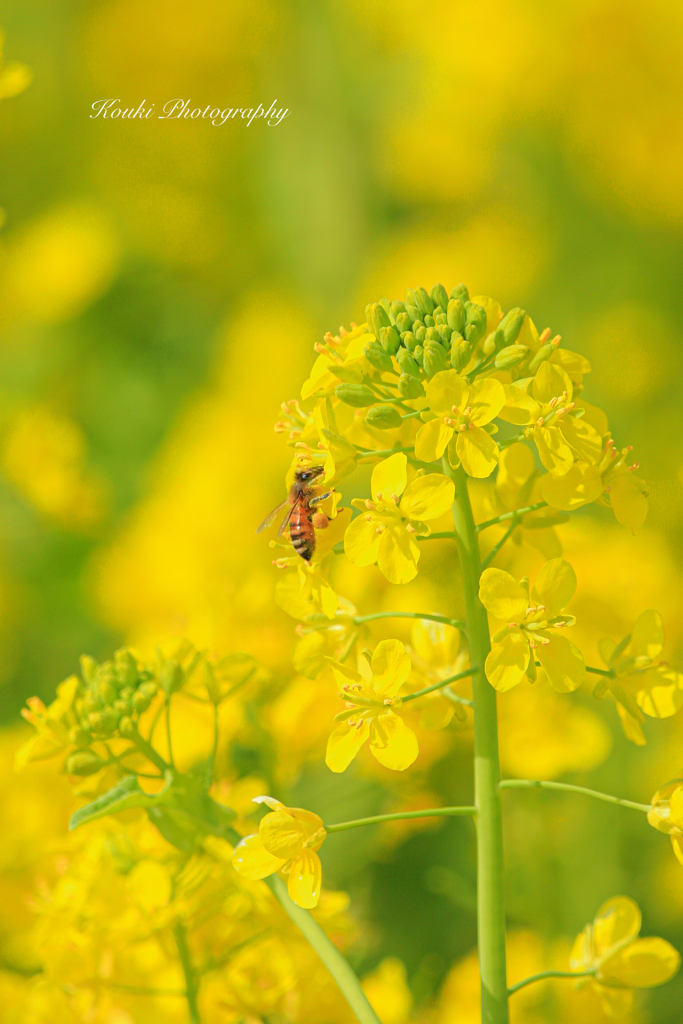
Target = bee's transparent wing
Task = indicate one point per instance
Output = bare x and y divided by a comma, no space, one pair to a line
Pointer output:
272,516
285,522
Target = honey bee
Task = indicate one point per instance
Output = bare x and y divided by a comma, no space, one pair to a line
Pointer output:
300,506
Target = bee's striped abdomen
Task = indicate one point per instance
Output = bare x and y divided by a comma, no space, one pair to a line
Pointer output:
302,532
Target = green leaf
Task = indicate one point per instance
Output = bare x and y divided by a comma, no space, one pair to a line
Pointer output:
125,795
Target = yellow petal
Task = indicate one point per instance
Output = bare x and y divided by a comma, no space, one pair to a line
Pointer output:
507,663
437,713
251,859
553,450
487,398
361,541
519,407
563,663
390,476
617,920
633,730
555,586
501,595
390,668
435,642
596,417
477,451
647,638
282,835
583,438
428,497
392,742
550,382
515,466
580,485
661,692
431,440
305,879
344,743
628,497
445,390
643,964
606,649
493,311
677,843
398,555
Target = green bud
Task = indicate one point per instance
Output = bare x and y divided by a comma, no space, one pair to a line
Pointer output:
438,311
445,332
418,355
429,321
543,353
406,362
414,312
386,417
409,340
494,342
457,317
84,763
92,702
88,668
104,721
124,707
126,668
439,296
351,374
403,322
417,326
434,358
377,357
511,356
476,315
410,387
398,309
170,673
472,333
126,693
440,319
377,317
390,340
432,335
461,353
386,306
79,737
149,689
357,395
420,334
127,727
141,701
423,300
460,292
511,324
108,692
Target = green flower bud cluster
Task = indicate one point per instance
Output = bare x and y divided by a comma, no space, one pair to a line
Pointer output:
429,332
110,701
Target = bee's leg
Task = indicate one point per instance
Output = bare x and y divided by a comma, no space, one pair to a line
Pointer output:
321,497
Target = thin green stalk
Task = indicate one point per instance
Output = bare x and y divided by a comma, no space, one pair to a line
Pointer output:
441,684
490,863
568,788
494,550
150,753
168,732
336,964
443,535
549,974
191,987
518,512
434,812
360,619
214,748
367,453
600,671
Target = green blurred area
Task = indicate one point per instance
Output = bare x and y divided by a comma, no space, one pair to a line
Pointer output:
534,153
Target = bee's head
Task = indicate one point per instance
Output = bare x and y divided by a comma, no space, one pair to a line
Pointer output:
304,476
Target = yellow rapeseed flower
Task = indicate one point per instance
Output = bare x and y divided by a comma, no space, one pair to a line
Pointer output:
436,655
371,697
667,813
286,841
640,682
621,961
52,724
462,412
532,618
385,532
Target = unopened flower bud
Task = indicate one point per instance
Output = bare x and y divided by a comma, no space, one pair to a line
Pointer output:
544,352
390,340
511,324
457,317
410,387
423,300
127,727
123,707
413,311
432,335
104,721
108,692
84,763
377,357
88,668
461,353
385,417
439,296
460,292
493,342
406,363
141,701
409,340
377,317
170,673
476,315
80,737
434,358
403,322
418,355
398,309
149,689
445,334
511,356
429,321
126,667
357,395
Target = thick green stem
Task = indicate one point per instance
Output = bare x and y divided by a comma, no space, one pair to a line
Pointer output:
328,953
190,979
568,788
490,864
433,812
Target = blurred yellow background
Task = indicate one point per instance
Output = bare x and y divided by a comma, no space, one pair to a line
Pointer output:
162,283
